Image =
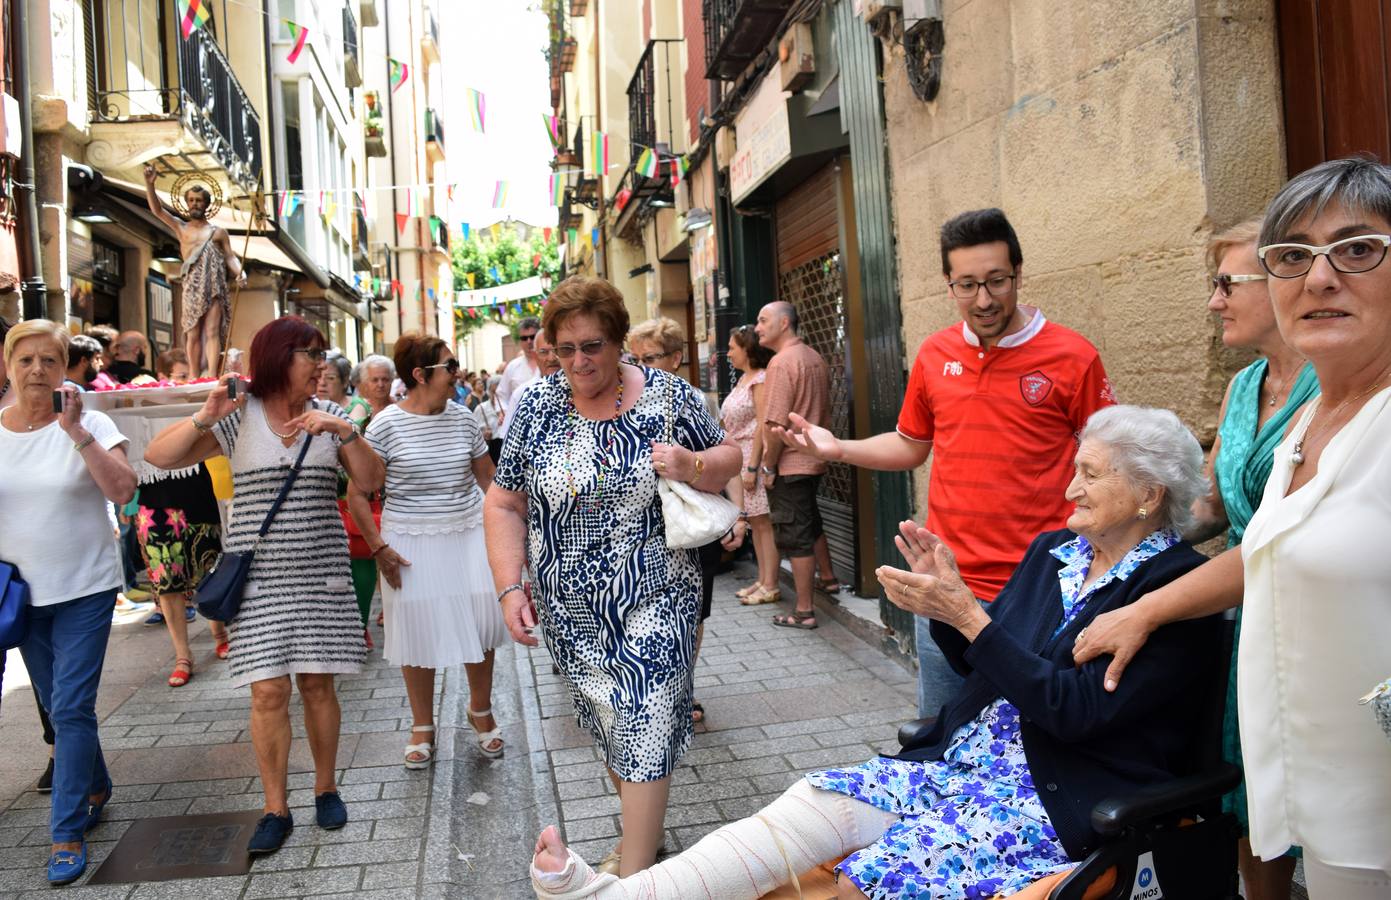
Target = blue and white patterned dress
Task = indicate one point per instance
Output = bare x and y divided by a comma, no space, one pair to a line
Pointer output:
618,609
973,825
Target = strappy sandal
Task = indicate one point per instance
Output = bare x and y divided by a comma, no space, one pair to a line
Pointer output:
751,589
796,619
223,648
424,749
490,743
183,672
762,595
830,586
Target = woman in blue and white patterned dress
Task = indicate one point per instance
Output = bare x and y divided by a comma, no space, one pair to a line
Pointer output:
999,793
576,486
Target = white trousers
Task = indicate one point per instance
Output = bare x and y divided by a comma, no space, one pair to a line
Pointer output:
1340,883
803,828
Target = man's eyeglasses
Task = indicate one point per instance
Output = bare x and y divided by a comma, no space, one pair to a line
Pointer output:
995,286
1222,283
588,348
315,354
449,365
1350,256
545,352
651,358
527,337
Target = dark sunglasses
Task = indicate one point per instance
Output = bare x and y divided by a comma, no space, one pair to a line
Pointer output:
1222,284
527,337
450,365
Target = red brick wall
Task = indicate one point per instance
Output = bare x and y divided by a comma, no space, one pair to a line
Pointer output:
697,88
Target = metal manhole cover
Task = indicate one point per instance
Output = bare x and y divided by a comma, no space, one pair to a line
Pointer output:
172,847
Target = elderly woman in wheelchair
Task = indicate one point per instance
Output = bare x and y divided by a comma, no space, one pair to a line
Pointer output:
999,793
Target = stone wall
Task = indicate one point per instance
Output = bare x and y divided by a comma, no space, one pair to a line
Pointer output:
1116,136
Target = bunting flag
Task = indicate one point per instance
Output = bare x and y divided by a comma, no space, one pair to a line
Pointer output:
679,167
396,288
546,235
470,276
463,229
647,163
193,15
496,230
289,202
449,192
477,109
401,220
430,292
536,261
599,152
435,223
497,279
329,210
594,238
553,130
572,235
299,34
500,195
557,190
397,73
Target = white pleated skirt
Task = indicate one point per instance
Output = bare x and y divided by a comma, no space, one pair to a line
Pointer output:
445,612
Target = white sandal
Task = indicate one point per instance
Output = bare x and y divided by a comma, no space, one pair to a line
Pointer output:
486,737
424,747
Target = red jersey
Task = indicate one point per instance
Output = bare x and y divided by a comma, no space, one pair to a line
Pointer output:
1003,424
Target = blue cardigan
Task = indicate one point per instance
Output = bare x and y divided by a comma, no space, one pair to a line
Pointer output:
1082,743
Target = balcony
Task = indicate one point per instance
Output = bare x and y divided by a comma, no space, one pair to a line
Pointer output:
368,12
585,190
642,92
166,96
737,31
373,136
570,216
578,8
439,239
362,258
430,40
434,134
352,60
560,53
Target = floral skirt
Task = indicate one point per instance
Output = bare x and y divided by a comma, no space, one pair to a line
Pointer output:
961,835
177,553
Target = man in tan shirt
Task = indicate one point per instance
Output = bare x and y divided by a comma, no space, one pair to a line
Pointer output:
798,381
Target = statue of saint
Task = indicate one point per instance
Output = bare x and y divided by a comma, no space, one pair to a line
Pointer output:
208,260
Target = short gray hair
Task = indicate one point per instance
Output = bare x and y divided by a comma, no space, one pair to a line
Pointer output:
339,363
1357,182
1152,448
376,359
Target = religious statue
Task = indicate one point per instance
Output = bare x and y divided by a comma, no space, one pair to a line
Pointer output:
208,259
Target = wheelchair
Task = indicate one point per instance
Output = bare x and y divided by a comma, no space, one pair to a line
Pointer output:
1169,840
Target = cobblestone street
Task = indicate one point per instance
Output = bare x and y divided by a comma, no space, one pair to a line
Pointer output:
778,702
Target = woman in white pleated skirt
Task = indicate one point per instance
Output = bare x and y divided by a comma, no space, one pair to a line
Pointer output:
437,589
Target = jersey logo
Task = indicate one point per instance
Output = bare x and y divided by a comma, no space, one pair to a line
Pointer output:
1035,387
951,368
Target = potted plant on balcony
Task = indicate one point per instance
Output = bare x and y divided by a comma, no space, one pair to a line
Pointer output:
372,116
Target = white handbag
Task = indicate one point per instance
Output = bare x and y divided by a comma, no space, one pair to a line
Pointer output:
693,517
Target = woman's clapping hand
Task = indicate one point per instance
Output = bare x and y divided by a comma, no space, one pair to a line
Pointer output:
933,586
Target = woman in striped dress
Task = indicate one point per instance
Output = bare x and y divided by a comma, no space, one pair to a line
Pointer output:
298,614
437,590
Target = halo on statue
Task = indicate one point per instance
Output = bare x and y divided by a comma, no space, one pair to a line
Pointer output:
195,179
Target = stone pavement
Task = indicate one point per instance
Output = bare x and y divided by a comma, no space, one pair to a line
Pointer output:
778,703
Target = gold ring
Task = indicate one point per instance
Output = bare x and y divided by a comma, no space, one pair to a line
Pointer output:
662,465
1081,634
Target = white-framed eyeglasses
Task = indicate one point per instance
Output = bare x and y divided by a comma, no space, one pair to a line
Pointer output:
1351,255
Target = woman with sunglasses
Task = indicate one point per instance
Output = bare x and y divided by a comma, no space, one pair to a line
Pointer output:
576,500
1261,399
1312,573
437,593
298,618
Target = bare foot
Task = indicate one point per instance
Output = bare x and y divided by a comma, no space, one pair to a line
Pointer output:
551,854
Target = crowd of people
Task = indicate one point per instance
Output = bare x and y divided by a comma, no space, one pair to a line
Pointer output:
1067,629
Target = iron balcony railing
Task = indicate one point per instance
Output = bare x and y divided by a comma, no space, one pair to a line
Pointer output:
642,118
737,31
352,59
362,257
434,127
131,80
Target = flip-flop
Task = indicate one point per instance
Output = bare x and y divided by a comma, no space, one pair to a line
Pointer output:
796,619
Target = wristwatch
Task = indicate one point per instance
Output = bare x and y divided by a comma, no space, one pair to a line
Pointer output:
751,468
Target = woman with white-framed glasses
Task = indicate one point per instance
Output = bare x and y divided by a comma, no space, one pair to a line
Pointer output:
1260,401
1312,573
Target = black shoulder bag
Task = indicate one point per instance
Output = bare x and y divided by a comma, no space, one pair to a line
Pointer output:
219,594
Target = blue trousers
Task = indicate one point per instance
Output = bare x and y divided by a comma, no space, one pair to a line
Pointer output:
64,654
937,681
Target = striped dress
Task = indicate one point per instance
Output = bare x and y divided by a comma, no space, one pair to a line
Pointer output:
298,614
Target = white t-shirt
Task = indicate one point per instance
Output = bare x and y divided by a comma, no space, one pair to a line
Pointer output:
53,522
517,375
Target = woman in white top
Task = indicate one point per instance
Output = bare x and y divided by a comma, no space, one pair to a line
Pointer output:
437,590
59,471
1312,572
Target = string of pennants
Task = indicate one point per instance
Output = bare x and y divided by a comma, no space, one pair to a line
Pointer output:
648,162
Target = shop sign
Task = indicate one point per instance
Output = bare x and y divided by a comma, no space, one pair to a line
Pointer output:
763,133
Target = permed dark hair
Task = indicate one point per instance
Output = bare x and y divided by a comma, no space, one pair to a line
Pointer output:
976,227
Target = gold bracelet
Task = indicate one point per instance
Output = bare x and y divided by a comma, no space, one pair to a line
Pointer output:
699,469
82,445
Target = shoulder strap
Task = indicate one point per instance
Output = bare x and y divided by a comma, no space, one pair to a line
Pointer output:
285,488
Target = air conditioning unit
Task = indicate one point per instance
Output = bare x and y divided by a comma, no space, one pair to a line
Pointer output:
879,16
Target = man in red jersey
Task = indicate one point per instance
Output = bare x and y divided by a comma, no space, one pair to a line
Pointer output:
1000,398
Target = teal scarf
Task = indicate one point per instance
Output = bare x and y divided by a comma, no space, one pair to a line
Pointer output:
1246,456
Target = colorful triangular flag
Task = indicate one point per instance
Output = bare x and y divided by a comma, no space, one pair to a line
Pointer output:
546,235
553,130
477,108
599,152
470,276
435,228
401,220
572,235
497,279
647,163
557,190
594,238
289,202
500,195
193,15
397,72
464,229
679,167
299,34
